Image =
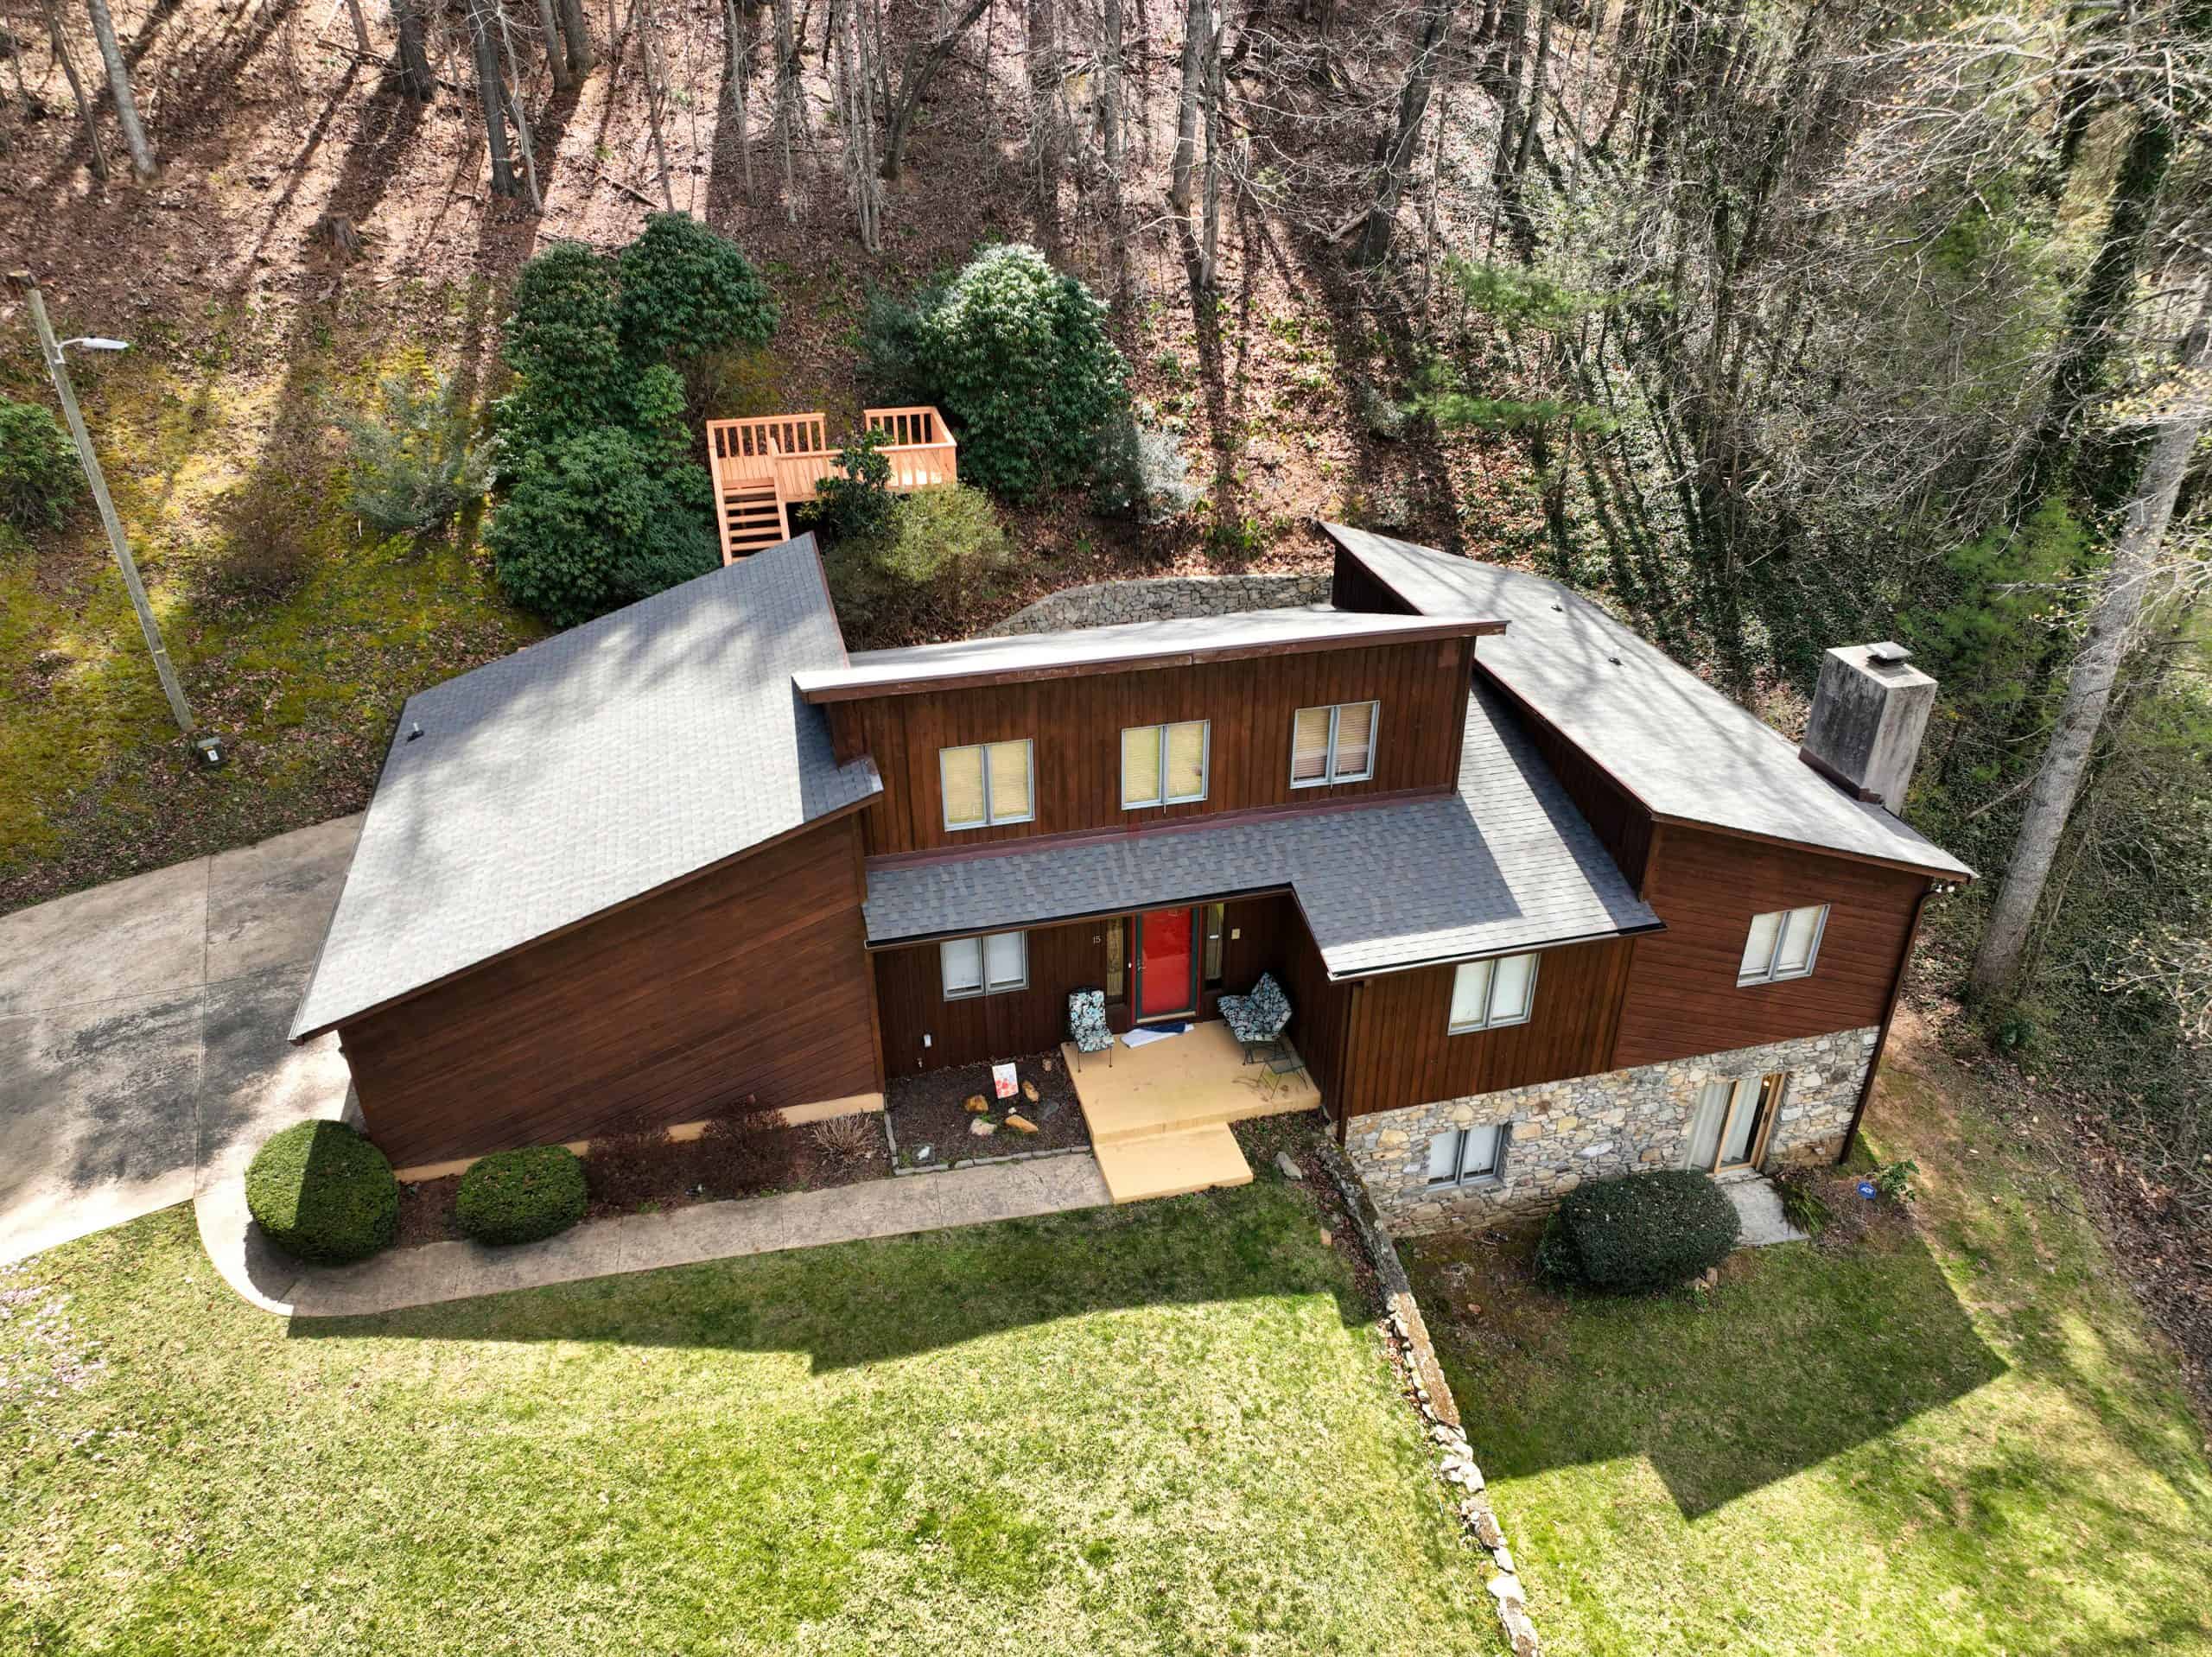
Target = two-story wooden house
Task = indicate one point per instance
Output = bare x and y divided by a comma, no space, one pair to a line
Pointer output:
1544,905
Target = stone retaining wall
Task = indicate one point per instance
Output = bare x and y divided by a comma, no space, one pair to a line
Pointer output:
1163,598
1561,1133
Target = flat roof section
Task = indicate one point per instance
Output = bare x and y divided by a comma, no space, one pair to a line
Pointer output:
1124,647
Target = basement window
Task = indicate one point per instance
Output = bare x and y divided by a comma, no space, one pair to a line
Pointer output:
1468,1156
983,966
1783,945
1486,995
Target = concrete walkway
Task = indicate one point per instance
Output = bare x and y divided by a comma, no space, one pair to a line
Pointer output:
142,1032
459,1271
1759,1208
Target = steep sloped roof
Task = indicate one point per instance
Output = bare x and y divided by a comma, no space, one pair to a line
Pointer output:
586,771
1505,864
1681,746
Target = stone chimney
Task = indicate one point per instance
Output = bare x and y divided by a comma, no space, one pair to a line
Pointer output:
1869,713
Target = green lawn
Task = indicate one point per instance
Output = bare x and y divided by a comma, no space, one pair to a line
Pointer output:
1958,1441
1164,1429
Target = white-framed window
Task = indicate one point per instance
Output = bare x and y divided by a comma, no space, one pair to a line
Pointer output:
986,782
1465,1156
985,965
1164,765
1783,944
1487,994
1334,745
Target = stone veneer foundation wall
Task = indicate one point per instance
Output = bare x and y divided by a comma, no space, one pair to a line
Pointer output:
1624,1121
1163,598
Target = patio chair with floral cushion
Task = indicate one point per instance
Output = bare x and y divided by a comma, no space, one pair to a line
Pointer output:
1257,1020
1087,1024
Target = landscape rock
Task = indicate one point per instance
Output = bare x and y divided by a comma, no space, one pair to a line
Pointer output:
1288,1164
1488,1530
977,1104
1020,1123
982,1127
1029,1092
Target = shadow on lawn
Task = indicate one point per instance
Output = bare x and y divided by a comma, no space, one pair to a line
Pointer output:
864,1303
1797,1357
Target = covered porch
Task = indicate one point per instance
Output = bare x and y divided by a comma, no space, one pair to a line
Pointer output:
1158,1112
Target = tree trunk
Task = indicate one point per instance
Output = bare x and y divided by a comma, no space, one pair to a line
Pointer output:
361,28
484,48
649,59
415,80
1405,139
2088,686
511,95
1110,102
2107,293
119,85
1210,237
922,64
1046,132
557,60
787,107
97,156
740,87
1197,29
576,36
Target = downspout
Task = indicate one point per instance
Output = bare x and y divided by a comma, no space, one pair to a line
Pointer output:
1889,1016
1344,1058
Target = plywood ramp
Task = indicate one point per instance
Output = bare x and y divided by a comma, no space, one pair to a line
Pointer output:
1173,1164
1159,1115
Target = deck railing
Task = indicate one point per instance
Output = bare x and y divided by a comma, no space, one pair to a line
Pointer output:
792,454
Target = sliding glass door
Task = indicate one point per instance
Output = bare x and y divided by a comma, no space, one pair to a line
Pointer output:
1733,1117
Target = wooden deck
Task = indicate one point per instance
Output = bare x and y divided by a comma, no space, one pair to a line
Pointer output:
1159,1115
764,466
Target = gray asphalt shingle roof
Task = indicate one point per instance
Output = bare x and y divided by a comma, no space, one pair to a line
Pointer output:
1151,643
586,771
1505,864
1681,746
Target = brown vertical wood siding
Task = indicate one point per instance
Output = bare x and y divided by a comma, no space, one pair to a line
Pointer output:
1076,725
751,979
1682,997
1407,1055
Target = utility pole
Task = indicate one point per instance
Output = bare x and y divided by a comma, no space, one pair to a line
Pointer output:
57,367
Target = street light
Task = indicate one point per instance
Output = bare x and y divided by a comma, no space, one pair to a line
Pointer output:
209,748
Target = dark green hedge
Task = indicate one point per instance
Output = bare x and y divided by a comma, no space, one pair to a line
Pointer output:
518,1196
324,1194
1636,1233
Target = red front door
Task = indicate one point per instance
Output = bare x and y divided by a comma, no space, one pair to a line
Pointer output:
1165,963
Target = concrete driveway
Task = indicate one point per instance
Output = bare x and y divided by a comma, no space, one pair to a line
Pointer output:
142,1033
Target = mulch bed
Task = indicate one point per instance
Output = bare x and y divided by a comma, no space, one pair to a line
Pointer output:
931,1110
646,1173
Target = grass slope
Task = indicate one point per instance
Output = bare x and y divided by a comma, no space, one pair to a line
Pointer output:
1165,1429
1959,1441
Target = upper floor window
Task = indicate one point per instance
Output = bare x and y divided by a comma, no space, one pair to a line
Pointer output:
986,782
1164,764
1334,745
983,966
1487,994
1782,944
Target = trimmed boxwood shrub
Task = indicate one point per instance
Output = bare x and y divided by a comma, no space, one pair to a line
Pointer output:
518,1196
323,1194
1636,1233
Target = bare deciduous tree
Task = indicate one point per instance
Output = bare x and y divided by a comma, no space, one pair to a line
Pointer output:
96,152
119,85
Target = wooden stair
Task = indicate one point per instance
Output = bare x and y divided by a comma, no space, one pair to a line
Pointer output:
753,517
